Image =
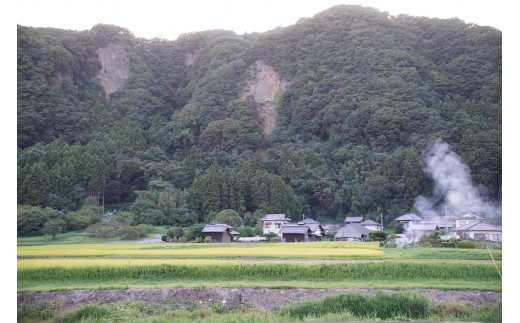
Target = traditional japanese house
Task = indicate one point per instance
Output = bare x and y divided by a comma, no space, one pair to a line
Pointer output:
353,219
220,232
467,218
371,225
480,230
352,232
272,223
294,232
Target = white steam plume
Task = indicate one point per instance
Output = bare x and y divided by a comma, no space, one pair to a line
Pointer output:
453,184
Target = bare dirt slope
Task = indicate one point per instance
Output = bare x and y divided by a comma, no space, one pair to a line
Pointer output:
261,298
263,85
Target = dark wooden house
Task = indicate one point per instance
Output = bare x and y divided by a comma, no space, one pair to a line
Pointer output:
220,232
294,232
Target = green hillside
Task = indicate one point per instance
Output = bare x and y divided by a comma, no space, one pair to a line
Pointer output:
362,94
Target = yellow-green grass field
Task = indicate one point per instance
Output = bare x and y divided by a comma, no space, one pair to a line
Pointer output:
325,249
71,262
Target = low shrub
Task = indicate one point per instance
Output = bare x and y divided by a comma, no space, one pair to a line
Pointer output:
275,239
381,305
466,244
105,232
183,239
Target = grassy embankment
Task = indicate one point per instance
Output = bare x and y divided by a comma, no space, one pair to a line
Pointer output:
342,307
74,237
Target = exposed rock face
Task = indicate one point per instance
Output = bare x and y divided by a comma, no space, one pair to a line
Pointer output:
116,68
189,58
263,86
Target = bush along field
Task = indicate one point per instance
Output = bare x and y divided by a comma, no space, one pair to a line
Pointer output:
397,306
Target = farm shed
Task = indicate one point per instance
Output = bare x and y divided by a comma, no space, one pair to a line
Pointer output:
220,232
272,223
353,219
352,232
293,232
371,225
481,230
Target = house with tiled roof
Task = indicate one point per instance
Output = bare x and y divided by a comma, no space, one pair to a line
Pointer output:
317,230
409,217
481,230
220,232
352,232
353,219
371,225
467,218
272,223
294,232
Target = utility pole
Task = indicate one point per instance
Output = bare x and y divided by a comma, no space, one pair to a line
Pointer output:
381,221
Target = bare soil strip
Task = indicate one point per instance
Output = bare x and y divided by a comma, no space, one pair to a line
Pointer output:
258,297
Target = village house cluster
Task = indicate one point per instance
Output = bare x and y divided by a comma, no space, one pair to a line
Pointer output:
355,229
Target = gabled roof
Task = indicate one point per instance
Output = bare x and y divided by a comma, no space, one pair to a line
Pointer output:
331,227
369,222
294,228
275,217
409,217
307,221
353,230
479,226
422,227
441,223
469,216
353,219
217,227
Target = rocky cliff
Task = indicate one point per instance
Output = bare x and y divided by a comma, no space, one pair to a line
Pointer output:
115,68
263,86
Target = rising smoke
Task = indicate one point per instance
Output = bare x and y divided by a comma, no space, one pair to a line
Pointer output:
453,185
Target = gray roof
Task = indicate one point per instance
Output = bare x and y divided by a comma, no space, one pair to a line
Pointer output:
294,228
469,216
370,222
216,227
441,223
331,227
422,227
353,230
307,221
479,226
353,219
409,217
275,217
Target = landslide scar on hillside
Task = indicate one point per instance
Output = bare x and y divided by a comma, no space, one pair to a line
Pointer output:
263,86
115,68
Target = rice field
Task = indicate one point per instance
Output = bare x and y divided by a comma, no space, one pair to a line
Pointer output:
386,270
67,263
325,249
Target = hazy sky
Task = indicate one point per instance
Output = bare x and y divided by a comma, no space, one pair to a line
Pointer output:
169,19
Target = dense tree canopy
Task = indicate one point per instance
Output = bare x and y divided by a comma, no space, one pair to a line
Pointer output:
366,93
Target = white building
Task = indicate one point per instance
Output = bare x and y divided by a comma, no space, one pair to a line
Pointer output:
272,223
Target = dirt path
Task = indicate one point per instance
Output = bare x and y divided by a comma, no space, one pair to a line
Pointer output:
337,261
259,297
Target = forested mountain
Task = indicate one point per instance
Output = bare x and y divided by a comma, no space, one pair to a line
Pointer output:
176,131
